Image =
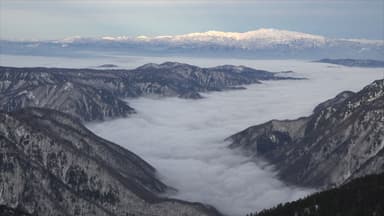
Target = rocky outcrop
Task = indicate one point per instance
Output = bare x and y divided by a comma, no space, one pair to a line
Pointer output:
96,94
8,211
52,165
343,139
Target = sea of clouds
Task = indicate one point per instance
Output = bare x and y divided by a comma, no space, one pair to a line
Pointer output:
183,139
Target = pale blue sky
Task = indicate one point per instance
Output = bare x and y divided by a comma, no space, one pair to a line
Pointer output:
55,19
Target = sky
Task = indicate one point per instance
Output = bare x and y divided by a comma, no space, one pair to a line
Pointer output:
57,19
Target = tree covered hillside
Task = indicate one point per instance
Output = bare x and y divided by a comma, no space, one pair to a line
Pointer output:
360,197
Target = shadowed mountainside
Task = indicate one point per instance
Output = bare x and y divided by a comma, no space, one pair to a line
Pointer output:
362,196
342,139
52,165
8,211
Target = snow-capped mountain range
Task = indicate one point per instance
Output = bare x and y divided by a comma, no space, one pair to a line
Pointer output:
262,43
246,40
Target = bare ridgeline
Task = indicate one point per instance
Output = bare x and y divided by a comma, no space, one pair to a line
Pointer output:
96,94
52,165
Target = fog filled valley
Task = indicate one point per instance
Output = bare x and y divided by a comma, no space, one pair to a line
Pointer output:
184,139
191,108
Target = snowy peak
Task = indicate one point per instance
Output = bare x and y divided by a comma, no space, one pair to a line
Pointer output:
228,38
260,34
263,34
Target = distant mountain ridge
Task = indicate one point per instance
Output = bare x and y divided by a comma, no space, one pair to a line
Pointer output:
261,43
343,139
96,94
369,63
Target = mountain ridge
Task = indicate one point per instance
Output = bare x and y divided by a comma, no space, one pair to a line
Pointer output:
52,165
92,94
261,43
343,139
369,63
263,33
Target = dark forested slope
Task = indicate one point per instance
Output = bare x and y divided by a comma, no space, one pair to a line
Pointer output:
360,197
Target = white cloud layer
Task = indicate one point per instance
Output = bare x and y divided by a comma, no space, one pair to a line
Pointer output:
183,139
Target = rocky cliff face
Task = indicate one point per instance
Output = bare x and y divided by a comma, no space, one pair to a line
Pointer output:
85,94
343,139
52,165
95,94
8,211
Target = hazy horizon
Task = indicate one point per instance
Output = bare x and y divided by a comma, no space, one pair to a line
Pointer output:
60,19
